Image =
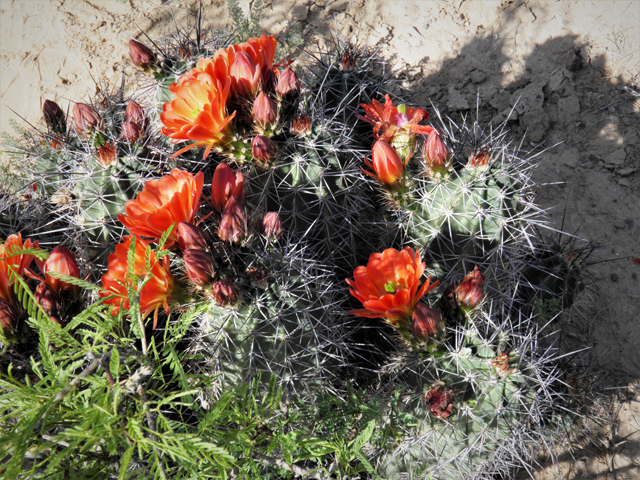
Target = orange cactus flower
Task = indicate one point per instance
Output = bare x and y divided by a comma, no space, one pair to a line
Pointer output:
198,113
173,199
391,119
389,286
15,263
154,294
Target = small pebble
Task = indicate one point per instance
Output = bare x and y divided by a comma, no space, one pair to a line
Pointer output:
614,277
634,275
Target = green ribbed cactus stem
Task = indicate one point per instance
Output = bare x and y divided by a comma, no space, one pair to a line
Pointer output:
458,407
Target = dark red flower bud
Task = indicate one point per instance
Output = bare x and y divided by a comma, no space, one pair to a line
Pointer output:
54,117
141,55
440,401
8,317
288,84
135,114
271,226
224,292
61,260
47,298
199,265
469,292
85,118
191,237
233,226
262,148
131,132
425,322
226,183
265,113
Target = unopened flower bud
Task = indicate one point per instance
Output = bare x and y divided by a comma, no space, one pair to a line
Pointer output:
131,132
288,84
425,322
262,148
224,292
265,113
190,237
233,225
199,266
469,292
135,114
245,74
435,154
85,118
440,401
8,317
47,298
226,183
387,164
107,154
141,55
61,260
271,226
54,117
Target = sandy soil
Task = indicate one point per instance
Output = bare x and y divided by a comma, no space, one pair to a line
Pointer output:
572,66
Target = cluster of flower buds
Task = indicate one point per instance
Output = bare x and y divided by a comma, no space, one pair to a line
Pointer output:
227,195
440,401
52,292
134,124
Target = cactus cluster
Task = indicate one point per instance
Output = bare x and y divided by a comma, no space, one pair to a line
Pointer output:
272,204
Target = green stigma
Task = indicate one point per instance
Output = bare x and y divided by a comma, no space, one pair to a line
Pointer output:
195,111
402,108
390,287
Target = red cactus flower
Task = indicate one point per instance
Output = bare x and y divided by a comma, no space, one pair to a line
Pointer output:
387,165
13,263
389,286
271,226
479,158
155,292
226,183
54,117
173,199
388,120
8,317
198,113
107,154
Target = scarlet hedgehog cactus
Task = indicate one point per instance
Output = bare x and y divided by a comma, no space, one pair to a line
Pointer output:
302,174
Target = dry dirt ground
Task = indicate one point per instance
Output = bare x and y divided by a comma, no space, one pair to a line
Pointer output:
571,69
